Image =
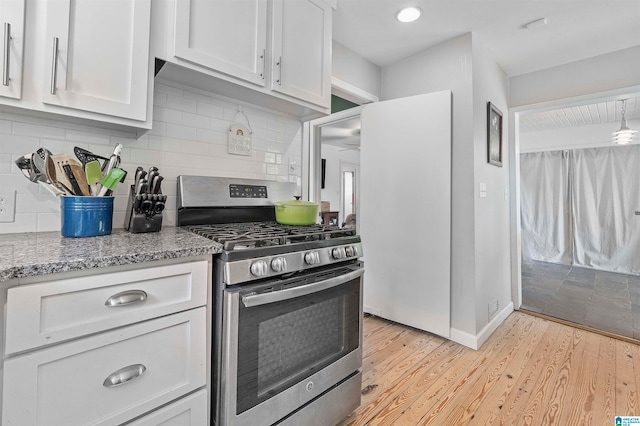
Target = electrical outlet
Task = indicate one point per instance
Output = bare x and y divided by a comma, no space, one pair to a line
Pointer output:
494,305
7,205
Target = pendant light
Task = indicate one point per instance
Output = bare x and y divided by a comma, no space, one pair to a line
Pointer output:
624,135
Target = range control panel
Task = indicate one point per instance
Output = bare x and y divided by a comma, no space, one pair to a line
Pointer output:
247,191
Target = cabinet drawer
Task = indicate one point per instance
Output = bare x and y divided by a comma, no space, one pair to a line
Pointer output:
55,311
67,384
188,411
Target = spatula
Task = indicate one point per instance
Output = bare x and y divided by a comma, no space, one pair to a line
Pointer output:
111,180
93,175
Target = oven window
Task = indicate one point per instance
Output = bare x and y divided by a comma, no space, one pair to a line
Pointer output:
284,342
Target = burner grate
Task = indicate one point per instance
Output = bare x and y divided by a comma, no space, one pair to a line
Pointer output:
239,236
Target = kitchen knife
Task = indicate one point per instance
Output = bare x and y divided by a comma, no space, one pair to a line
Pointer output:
156,185
140,173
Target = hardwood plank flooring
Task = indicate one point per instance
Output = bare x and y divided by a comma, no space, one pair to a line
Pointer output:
531,371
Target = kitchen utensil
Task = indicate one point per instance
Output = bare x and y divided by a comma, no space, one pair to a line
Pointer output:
156,185
139,175
296,212
114,160
75,185
52,188
24,164
64,178
52,176
87,156
38,159
93,175
111,180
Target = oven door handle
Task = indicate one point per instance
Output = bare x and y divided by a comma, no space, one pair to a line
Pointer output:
290,293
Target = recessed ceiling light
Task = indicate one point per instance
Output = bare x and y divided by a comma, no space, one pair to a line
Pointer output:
409,14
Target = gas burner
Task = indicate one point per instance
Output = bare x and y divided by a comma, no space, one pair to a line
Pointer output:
242,236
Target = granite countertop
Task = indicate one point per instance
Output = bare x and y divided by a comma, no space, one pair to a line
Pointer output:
41,253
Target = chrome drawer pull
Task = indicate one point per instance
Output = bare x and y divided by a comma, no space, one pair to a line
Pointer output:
124,375
7,53
54,65
126,298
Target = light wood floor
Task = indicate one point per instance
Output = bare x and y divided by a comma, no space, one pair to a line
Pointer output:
531,371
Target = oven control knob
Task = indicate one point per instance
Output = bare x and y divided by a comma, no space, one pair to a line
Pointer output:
279,264
351,251
338,253
259,268
312,258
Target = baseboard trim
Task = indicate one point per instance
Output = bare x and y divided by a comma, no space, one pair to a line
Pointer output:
475,341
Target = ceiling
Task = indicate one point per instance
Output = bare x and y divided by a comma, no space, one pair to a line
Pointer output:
584,115
575,30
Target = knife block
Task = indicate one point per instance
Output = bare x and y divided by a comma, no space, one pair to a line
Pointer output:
137,222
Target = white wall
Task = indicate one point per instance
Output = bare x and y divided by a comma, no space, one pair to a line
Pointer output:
449,66
188,137
492,242
354,69
599,74
591,136
333,180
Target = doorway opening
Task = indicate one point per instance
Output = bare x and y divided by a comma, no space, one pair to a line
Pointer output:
588,293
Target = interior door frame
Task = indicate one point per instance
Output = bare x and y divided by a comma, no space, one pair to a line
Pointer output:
311,143
514,173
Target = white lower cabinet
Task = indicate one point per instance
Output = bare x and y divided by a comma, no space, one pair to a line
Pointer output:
189,411
108,378
107,346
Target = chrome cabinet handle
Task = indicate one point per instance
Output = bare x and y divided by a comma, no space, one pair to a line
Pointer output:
7,53
126,298
253,299
264,60
124,375
279,65
54,66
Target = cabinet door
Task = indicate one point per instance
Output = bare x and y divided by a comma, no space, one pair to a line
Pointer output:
108,378
302,50
12,20
228,36
98,56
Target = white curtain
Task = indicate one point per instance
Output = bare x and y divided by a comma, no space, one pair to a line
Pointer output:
545,207
605,201
582,207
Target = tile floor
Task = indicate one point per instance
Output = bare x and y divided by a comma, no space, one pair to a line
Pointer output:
603,300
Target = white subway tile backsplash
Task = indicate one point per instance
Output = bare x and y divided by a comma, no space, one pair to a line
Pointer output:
178,131
210,110
167,115
87,137
182,103
194,120
29,129
159,99
11,144
189,136
5,127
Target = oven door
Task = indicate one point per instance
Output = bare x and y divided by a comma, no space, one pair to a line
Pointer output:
286,342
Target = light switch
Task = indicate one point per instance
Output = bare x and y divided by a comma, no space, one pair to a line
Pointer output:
483,190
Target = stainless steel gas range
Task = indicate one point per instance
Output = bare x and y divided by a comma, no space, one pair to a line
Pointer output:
287,318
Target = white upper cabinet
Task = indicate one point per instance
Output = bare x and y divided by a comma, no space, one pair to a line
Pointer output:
272,53
98,56
12,21
301,52
228,36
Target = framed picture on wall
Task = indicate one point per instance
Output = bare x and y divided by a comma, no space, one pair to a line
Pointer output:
494,135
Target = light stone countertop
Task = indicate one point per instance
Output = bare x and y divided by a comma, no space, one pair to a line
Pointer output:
41,253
